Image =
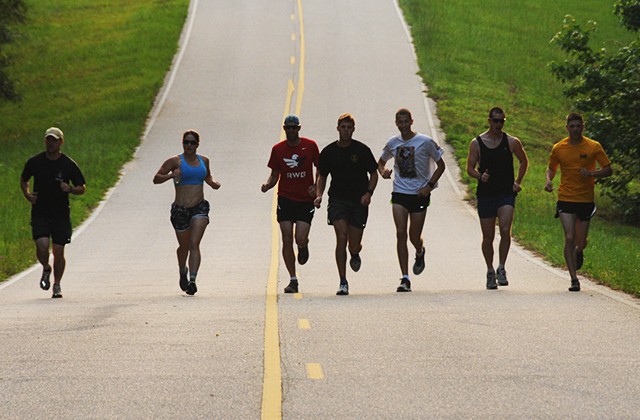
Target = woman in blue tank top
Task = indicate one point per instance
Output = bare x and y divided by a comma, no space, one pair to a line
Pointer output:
189,210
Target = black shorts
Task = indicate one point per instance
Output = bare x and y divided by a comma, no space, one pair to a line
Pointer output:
412,202
584,211
181,216
294,211
488,206
354,213
58,229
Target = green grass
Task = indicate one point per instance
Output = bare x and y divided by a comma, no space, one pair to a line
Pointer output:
92,68
477,54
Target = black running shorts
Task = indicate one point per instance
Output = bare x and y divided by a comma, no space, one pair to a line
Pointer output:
58,229
294,211
584,211
354,213
412,202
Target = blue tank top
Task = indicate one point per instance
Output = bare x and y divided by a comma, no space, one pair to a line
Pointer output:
192,175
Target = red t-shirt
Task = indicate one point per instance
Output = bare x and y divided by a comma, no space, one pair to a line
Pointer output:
295,166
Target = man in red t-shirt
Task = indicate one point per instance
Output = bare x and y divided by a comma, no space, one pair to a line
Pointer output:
291,162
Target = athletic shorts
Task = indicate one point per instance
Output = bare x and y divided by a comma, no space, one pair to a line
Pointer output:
58,229
181,216
412,202
354,213
584,211
294,211
488,206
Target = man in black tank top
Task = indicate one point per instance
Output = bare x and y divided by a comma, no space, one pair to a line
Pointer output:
490,161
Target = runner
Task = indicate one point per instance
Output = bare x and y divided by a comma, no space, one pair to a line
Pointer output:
418,166
55,177
189,211
354,176
291,162
576,156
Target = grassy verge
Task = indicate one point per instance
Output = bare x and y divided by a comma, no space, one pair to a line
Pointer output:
477,54
92,68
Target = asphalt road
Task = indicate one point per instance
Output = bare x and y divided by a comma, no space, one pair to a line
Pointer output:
125,342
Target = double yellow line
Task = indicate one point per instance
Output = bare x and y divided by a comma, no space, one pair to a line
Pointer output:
272,380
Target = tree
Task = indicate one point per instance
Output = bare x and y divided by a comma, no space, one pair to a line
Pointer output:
605,86
12,12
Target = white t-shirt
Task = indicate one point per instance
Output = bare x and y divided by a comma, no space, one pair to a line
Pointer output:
414,161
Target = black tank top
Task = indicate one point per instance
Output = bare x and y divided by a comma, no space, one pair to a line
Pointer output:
499,163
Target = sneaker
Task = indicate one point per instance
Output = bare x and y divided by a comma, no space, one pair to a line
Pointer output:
44,280
418,265
355,262
575,285
191,288
303,255
579,259
405,285
184,280
57,291
292,287
343,290
502,277
491,281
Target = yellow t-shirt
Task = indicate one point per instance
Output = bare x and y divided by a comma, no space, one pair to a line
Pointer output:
571,158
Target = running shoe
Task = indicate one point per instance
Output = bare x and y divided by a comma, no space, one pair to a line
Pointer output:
502,277
292,287
579,259
303,255
191,288
184,280
405,285
491,281
343,290
418,265
44,280
57,291
355,262
575,285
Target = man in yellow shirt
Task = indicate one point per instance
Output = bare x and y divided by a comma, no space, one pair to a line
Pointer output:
576,156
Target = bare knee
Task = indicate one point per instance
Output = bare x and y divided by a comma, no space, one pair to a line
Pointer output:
401,235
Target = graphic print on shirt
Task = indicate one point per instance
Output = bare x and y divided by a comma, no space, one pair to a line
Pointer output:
295,162
406,160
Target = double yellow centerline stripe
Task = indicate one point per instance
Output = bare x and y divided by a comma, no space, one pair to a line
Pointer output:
272,380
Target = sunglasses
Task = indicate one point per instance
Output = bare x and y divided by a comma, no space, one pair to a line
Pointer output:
190,143
498,120
291,127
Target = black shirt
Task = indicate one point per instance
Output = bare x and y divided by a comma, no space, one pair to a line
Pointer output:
499,163
349,168
47,175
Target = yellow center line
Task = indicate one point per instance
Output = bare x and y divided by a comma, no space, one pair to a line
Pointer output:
314,371
272,381
301,61
304,324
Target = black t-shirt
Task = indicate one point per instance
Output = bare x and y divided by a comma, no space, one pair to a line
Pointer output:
47,175
349,168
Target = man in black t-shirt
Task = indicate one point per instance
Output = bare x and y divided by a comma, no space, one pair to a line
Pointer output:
354,176
55,176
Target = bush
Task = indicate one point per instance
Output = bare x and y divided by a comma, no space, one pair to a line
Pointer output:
606,88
